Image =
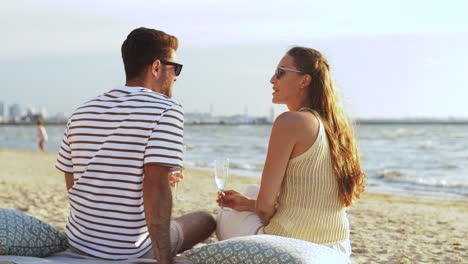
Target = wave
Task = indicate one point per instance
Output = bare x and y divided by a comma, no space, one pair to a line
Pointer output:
384,174
189,147
244,166
261,148
401,133
232,165
458,135
428,144
401,178
448,167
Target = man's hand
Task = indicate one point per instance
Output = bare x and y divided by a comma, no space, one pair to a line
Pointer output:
175,177
69,181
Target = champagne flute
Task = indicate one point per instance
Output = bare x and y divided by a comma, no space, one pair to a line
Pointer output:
221,174
177,171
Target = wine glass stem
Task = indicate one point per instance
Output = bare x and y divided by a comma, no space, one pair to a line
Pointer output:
222,200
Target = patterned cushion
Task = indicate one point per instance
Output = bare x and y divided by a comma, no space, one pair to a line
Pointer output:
264,249
24,235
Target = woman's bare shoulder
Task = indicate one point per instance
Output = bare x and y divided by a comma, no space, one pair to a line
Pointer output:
297,120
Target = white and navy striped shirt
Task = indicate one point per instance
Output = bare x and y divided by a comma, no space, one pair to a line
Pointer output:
106,143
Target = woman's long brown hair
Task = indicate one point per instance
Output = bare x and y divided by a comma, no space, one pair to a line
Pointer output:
340,133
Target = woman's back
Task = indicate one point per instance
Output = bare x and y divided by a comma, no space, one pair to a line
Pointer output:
309,206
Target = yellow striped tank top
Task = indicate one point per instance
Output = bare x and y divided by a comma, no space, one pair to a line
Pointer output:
309,208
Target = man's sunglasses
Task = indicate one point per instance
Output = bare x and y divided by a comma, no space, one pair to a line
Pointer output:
177,66
280,71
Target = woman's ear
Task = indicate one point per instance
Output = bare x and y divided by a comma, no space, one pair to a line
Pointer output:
306,81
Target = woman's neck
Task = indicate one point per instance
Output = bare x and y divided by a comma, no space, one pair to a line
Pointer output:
296,106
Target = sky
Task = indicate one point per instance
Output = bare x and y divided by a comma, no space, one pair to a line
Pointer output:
390,59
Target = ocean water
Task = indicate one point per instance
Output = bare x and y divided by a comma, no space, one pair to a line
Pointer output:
429,159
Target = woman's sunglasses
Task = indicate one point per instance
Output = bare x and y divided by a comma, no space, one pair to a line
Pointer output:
177,66
280,71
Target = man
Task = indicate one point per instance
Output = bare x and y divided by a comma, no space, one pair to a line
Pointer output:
116,154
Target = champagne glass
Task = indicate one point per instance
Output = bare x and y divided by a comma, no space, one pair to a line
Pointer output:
221,175
177,172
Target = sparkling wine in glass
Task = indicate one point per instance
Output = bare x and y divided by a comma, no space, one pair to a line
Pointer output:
221,174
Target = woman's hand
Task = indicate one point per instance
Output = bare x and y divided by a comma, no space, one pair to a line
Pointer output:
235,200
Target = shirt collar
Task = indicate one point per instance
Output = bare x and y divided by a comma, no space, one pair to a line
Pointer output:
133,89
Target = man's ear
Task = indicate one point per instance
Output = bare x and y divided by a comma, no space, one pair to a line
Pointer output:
155,68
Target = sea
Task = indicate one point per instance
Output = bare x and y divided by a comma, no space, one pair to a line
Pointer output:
406,159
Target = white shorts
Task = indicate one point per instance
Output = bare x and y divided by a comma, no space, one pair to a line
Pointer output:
231,223
177,238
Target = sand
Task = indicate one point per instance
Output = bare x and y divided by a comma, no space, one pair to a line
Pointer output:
384,228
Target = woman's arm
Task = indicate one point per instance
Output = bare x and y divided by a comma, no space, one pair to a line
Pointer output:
282,140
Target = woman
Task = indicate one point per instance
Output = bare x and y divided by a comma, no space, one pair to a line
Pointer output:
41,134
312,171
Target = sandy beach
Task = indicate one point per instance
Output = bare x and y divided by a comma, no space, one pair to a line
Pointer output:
384,228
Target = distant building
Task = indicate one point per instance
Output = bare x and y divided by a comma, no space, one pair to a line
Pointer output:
272,114
244,119
31,115
43,113
58,118
261,120
211,110
207,118
238,119
30,111
2,112
15,112
197,118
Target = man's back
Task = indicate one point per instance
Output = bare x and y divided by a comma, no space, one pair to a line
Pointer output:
106,144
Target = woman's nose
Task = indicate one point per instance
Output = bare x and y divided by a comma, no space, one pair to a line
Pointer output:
272,79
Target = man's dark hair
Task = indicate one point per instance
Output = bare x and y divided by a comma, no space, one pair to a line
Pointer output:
142,47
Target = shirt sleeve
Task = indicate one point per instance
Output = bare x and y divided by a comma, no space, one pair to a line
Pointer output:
64,158
165,144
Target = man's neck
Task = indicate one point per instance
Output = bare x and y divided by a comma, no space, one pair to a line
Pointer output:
147,85
139,83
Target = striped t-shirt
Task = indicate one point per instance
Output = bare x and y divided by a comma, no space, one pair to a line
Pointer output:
106,143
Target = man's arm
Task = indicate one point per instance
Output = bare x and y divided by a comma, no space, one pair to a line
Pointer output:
69,180
158,206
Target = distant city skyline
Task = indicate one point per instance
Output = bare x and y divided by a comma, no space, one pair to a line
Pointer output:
6,111
59,54
18,114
